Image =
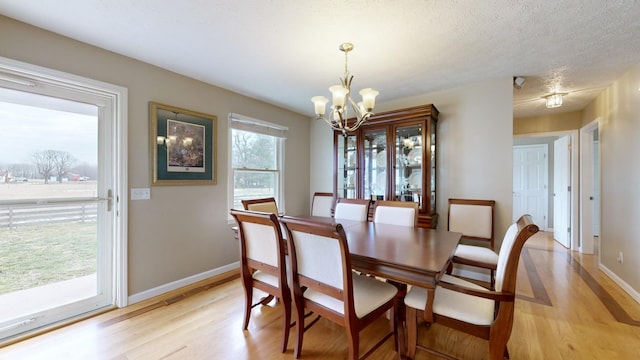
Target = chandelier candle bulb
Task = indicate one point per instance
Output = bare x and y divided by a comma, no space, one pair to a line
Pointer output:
320,104
339,95
368,98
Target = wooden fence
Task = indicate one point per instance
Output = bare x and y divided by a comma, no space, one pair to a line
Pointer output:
20,215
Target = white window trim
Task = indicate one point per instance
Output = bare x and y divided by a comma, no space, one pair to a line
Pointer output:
241,122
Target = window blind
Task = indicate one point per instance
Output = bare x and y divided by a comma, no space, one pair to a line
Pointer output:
241,122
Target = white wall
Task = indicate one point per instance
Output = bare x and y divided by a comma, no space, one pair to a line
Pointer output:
475,130
321,156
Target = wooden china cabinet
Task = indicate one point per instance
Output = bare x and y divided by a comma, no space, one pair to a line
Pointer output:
391,157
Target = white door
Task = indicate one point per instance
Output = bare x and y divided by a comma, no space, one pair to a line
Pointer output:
596,185
589,187
59,176
530,178
561,191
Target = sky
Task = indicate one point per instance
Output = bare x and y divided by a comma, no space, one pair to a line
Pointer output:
27,129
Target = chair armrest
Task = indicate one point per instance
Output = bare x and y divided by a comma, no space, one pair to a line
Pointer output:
487,294
480,264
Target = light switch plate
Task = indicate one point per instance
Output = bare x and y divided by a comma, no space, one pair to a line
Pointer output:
140,193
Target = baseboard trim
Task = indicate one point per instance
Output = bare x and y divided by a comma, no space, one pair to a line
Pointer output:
174,285
626,287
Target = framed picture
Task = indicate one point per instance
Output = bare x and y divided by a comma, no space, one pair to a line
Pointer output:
183,146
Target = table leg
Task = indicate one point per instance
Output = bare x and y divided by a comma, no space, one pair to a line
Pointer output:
428,310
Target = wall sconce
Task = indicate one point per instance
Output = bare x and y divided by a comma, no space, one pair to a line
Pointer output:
161,140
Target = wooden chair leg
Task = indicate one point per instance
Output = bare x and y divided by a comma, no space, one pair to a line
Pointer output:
497,348
286,302
299,330
411,319
248,298
354,344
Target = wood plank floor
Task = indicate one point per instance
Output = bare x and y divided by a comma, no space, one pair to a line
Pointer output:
566,309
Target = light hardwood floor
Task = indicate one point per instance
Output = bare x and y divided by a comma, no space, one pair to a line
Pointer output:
565,309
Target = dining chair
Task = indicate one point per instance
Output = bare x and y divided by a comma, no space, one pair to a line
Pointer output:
352,209
403,213
263,264
322,204
322,282
474,219
471,308
267,205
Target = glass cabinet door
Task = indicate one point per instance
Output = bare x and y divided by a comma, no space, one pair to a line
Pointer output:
347,177
432,177
408,177
375,164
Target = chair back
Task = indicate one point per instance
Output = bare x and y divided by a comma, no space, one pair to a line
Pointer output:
261,243
267,205
472,218
322,204
509,255
352,209
402,213
320,261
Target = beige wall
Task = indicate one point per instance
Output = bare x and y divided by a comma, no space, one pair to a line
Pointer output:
618,109
474,145
547,123
182,231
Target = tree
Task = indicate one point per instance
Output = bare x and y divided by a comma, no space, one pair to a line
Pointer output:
253,151
62,164
52,162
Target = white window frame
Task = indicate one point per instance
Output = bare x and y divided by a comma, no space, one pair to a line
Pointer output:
245,123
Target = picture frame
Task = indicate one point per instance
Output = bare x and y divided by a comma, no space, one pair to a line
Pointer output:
183,146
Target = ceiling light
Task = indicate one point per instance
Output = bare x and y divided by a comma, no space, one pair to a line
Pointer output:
338,117
554,100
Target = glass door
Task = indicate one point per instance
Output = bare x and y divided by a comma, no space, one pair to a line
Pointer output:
408,176
347,177
375,164
57,218
432,172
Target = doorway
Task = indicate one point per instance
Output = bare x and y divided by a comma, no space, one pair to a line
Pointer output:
572,169
589,187
61,175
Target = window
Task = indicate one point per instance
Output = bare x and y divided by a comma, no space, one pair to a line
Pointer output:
256,149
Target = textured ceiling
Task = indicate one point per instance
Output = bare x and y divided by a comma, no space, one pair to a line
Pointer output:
286,51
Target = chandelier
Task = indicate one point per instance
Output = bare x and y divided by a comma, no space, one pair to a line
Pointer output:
338,117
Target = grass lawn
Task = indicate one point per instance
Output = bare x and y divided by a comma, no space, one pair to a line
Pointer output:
36,255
